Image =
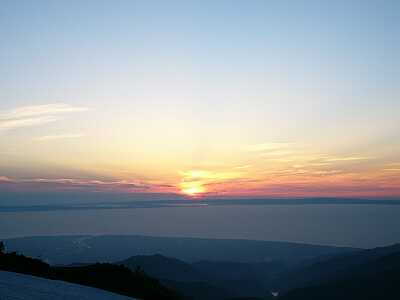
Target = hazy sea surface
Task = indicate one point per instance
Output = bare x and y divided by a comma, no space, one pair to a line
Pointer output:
348,225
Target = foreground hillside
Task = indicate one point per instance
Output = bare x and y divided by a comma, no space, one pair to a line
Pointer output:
20,286
113,278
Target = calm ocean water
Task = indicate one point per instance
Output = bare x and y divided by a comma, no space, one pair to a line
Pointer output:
349,225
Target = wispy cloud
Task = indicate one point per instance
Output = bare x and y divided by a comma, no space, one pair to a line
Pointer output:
5,179
8,124
89,183
243,167
200,175
58,137
35,115
76,184
267,147
346,158
40,110
392,169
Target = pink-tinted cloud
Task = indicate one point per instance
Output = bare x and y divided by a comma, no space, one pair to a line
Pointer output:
64,184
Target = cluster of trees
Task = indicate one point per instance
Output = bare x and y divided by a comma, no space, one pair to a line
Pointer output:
2,247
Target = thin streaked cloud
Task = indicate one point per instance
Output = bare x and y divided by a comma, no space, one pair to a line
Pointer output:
35,115
46,138
40,110
243,167
4,178
267,147
347,158
25,122
76,184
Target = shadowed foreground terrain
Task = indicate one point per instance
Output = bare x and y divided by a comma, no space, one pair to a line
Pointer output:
113,278
354,275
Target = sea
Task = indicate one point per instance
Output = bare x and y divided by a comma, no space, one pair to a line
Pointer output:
344,223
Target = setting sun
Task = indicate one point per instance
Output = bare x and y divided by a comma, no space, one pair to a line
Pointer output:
193,190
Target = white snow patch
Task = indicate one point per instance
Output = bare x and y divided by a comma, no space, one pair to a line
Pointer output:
14,286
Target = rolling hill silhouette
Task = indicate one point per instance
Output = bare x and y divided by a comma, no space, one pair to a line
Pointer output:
369,274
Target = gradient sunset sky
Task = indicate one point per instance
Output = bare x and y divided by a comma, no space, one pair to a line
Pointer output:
201,98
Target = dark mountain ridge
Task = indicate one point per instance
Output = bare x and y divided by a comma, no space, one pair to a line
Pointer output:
110,248
368,274
160,266
328,269
208,279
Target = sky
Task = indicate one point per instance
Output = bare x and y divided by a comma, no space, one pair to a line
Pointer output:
201,98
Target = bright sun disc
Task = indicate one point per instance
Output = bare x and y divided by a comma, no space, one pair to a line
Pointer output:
193,191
